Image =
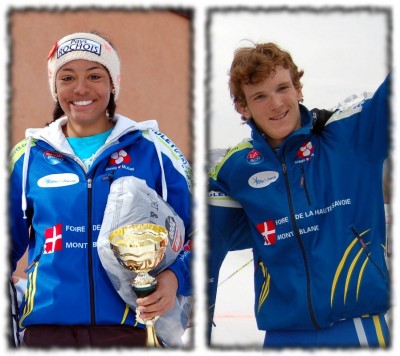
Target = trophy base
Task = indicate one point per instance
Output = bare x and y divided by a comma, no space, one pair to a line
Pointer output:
144,291
152,340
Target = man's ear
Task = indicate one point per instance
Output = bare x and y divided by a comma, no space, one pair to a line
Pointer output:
299,95
243,110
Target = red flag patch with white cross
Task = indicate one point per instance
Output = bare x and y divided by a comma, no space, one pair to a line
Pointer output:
268,230
53,237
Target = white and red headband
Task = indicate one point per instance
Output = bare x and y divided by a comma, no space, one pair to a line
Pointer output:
86,46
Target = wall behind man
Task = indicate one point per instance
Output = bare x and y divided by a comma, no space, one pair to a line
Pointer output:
155,49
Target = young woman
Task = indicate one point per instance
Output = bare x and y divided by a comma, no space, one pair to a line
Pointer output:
59,184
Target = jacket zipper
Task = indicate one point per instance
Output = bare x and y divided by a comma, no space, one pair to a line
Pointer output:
110,177
90,247
303,251
304,185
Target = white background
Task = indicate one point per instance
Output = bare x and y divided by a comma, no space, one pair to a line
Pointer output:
342,52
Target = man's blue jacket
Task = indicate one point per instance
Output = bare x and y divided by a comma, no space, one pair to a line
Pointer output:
313,213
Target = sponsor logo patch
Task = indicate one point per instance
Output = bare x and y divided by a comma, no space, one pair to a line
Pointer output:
188,246
255,157
174,234
119,157
53,237
79,44
305,151
58,180
53,157
263,179
268,231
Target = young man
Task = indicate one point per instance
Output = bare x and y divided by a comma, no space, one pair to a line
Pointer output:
309,204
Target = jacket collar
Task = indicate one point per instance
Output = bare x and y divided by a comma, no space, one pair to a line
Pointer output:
305,130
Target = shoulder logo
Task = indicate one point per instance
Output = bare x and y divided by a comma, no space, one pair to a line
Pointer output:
263,179
214,171
18,150
171,147
255,157
58,180
53,157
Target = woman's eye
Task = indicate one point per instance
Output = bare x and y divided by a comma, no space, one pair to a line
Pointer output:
66,78
94,76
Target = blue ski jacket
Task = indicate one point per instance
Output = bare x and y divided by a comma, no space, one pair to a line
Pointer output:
57,207
313,213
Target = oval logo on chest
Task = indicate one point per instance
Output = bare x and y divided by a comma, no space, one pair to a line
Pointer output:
263,179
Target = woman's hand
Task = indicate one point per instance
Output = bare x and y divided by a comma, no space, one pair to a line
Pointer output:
162,299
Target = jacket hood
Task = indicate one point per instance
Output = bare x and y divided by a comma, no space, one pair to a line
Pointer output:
54,135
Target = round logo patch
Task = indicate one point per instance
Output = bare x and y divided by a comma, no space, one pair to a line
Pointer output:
53,157
254,157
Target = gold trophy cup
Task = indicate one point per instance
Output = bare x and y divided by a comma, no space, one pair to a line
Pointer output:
140,248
